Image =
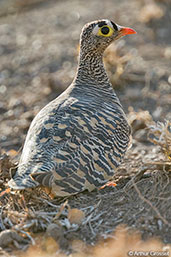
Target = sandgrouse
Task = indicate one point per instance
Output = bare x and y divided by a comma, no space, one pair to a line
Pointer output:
77,141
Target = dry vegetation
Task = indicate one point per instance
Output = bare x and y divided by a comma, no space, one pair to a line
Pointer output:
38,48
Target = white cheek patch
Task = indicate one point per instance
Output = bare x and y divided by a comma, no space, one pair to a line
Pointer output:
95,30
109,23
119,27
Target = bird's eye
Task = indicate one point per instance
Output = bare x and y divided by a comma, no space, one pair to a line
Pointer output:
105,31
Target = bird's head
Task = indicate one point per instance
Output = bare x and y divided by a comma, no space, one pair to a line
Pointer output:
98,35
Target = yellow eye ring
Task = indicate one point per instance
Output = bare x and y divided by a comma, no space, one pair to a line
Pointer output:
105,31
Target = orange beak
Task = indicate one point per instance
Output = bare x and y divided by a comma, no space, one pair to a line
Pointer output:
126,31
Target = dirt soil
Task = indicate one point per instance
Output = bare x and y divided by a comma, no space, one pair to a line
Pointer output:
38,59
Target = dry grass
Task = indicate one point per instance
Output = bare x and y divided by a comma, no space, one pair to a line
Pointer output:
160,134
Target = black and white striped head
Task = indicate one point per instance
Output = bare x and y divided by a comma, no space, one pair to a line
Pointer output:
98,35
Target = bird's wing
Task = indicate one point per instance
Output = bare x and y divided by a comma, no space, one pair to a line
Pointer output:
81,149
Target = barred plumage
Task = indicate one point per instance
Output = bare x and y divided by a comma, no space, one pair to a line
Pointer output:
78,140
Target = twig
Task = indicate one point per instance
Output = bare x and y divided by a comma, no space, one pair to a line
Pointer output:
136,178
15,213
150,204
87,219
25,233
92,230
98,216
58,214
1,220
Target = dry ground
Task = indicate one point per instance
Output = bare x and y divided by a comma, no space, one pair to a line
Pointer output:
38,49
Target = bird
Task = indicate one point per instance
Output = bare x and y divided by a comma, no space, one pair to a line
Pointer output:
78,140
